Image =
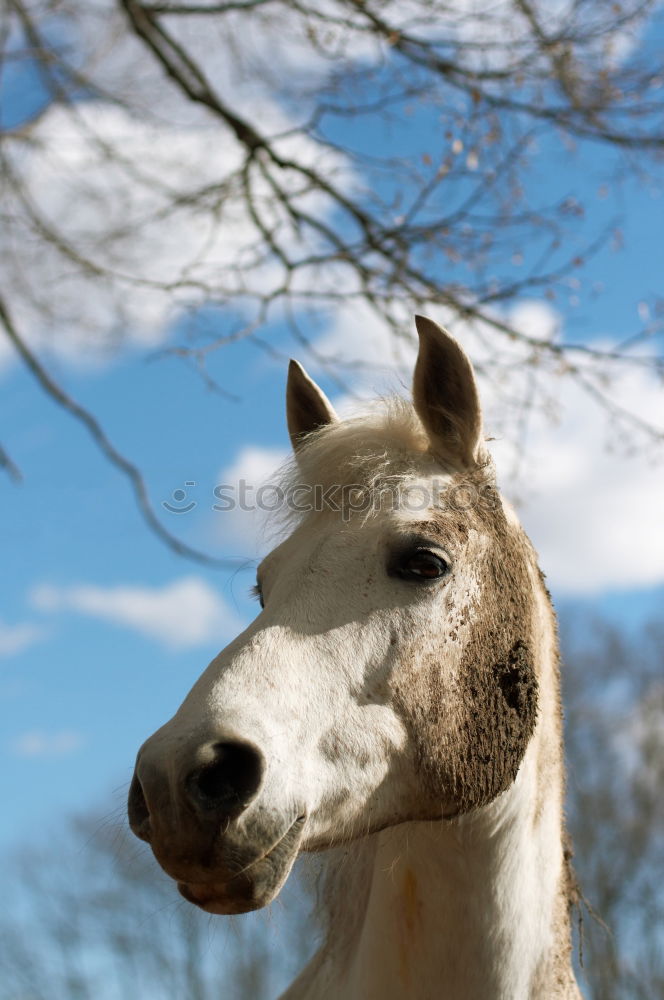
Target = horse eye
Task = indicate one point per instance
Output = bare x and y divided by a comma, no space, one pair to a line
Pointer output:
423,565
257,592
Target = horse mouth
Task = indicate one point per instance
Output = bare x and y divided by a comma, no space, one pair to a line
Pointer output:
254,886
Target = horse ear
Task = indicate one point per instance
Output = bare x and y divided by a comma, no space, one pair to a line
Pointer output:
307,406
445,395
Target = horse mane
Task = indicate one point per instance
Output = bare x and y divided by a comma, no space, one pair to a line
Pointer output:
358,447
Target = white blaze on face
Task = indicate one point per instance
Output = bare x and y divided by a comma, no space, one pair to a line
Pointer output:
308,681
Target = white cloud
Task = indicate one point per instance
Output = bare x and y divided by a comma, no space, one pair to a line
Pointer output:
254,467
538,319
593,508
15,638
37,743
185,613
373,359
494,33
156,206
246,59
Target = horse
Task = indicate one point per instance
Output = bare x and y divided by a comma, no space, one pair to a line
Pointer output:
396,703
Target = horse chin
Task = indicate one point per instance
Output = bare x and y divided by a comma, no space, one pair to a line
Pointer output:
222,899
252,888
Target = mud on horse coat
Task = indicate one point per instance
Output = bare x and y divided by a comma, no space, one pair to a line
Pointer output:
395,704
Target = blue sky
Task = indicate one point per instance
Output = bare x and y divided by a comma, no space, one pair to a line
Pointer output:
79,690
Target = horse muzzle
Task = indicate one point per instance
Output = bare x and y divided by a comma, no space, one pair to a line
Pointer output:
253,886
200,810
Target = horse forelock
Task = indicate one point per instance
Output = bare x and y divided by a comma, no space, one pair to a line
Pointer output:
384,447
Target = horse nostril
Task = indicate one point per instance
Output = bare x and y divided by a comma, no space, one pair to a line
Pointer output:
137,808
228,784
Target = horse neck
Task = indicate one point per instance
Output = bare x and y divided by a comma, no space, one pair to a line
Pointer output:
465,909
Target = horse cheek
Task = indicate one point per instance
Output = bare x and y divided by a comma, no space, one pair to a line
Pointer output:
471,709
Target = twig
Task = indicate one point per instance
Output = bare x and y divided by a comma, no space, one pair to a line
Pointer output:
10,467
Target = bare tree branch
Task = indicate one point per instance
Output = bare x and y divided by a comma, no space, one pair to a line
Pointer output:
92,425
9,466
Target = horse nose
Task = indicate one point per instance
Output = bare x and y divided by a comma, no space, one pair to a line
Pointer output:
137,809
227,782
225,778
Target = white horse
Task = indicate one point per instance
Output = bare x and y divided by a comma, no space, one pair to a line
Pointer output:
396,703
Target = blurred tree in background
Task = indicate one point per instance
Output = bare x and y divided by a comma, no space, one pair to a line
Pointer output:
93,917
614,702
